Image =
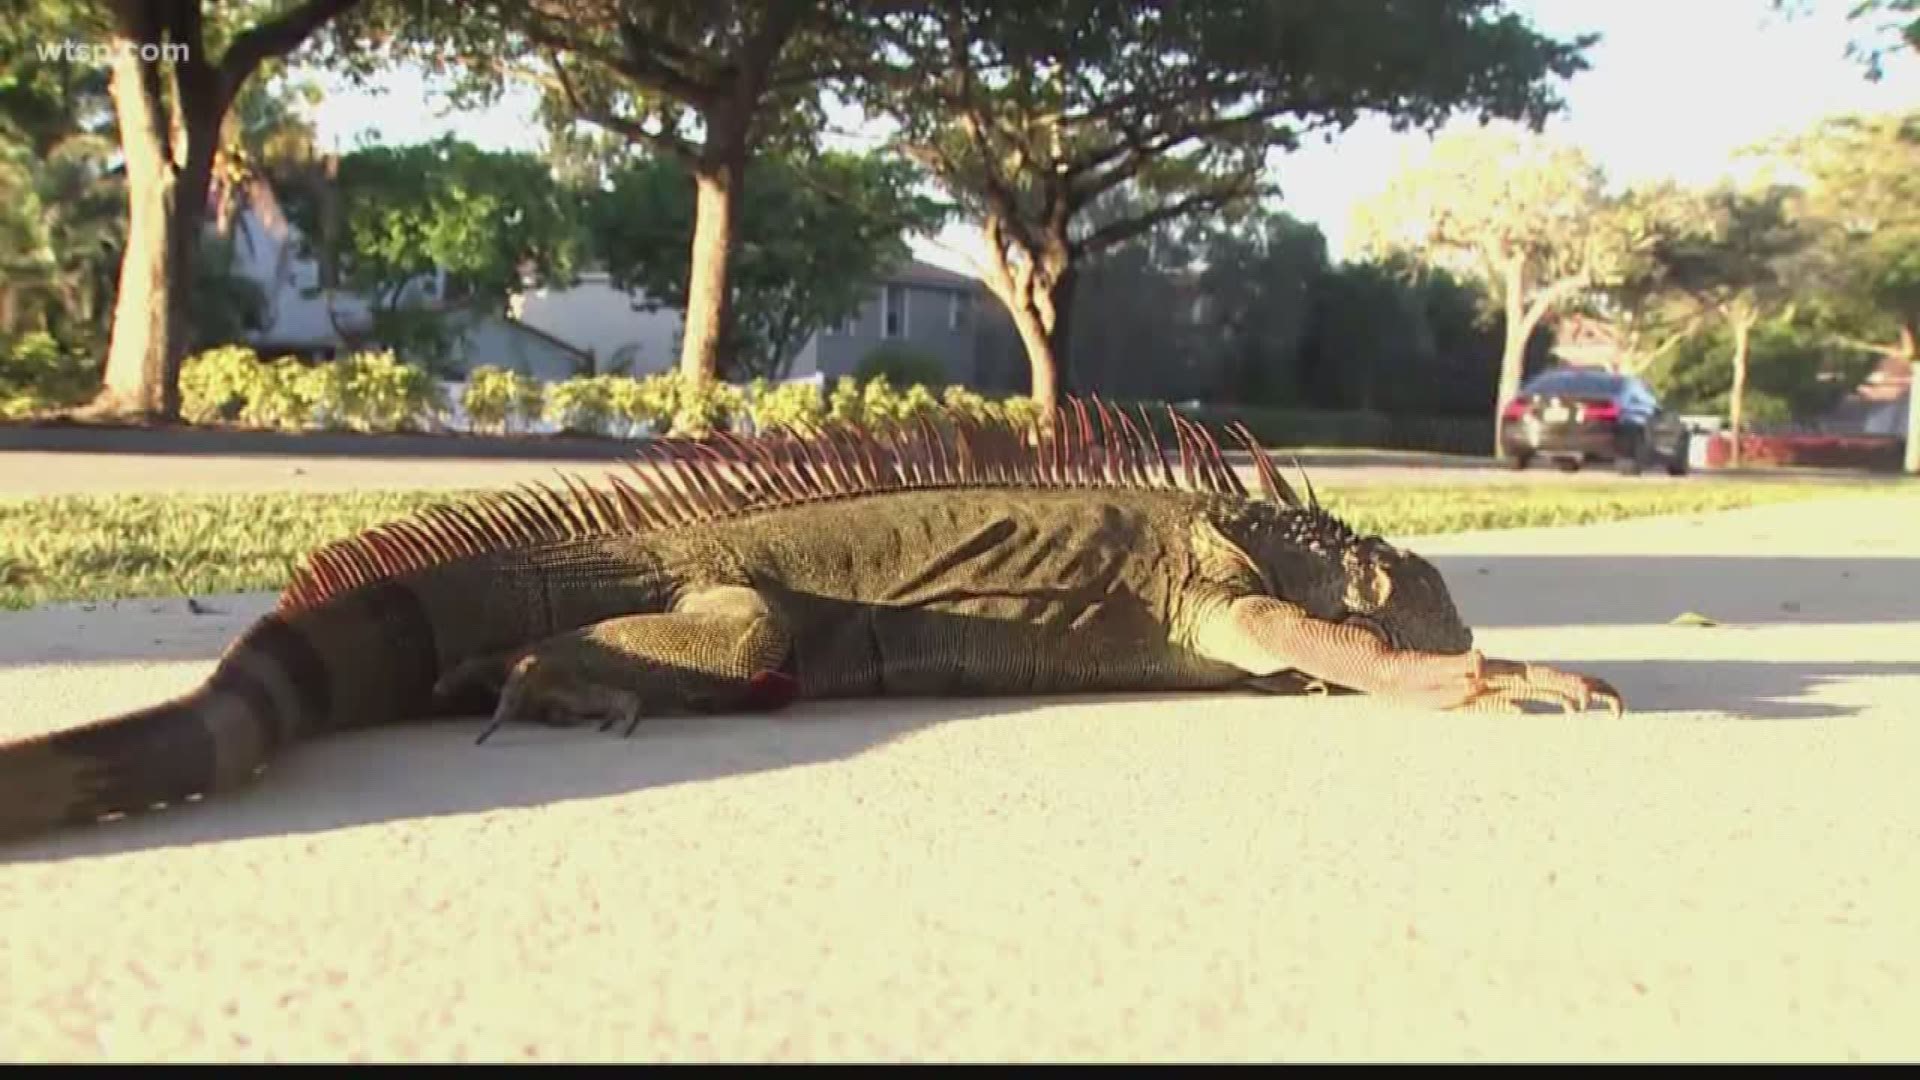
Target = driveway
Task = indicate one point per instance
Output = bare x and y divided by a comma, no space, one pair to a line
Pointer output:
1727,873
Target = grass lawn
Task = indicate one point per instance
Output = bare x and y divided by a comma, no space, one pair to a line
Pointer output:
101,547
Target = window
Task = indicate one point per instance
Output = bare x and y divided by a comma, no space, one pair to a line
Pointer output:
1575,381
959,311
849,326
893,312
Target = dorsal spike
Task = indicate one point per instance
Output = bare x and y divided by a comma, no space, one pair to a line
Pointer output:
1313,501
675,483
1276,488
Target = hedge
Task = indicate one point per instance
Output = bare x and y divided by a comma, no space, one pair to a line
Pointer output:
374,392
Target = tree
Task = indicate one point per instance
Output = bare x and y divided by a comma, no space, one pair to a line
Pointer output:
1862,194
1260,283
1028,113
1743,260
815,234
1794,370
1529,219
489,221
705,85
171,94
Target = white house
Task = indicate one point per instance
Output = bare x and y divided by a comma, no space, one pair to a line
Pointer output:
612,326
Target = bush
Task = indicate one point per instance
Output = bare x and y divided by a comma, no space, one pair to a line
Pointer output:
374,391
901,365
497,399
581,406
231,382
366,391
789,405
38,375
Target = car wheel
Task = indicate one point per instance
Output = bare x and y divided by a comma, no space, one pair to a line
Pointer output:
1678,463
1569,464
1633,459
1518,461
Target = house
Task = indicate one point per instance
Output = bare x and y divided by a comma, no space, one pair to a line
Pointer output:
590,326
921,306
304,320
617,330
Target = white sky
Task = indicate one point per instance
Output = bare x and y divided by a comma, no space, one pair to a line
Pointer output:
1674,87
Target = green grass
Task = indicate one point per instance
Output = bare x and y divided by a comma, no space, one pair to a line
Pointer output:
100,547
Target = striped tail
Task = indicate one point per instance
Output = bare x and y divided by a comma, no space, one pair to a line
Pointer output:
268,690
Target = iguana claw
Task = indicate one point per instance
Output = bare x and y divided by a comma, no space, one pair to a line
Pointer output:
1515,683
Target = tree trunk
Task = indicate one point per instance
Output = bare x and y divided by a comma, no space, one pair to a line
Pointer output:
1042,361
1911,463
1736,400
165,208
1068,378
717,181
1513,355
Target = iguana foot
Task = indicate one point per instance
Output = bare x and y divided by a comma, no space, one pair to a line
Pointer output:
540,690
1506,685
720,650
1269,638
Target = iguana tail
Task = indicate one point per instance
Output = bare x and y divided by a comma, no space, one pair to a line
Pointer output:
362,659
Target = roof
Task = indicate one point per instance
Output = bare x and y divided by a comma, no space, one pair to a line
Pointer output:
918,272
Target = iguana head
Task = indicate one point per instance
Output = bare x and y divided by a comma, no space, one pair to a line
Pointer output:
1402,596
1311,558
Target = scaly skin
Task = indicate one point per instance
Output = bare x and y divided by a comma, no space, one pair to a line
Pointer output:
838,571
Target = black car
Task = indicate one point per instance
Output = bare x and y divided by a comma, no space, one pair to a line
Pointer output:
1571,416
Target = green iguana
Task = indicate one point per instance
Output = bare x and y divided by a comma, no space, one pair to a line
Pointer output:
939,558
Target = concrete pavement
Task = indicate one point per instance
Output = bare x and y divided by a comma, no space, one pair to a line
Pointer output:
1727,873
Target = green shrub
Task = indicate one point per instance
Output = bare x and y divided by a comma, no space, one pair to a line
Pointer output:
216,384
374,391
582,406
702,408
640,404
496,399
902,365
38,375
790,405
1017,411
231,382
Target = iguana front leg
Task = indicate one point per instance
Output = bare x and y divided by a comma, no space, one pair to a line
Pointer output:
719,650
1264,636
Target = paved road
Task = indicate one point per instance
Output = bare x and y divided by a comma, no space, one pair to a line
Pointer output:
1728,873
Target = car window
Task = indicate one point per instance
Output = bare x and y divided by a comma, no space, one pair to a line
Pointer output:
1598,383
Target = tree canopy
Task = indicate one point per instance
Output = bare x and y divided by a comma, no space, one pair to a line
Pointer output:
1029,113
491,221
816,234
1531,219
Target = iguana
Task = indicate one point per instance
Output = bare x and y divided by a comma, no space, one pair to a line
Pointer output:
942,557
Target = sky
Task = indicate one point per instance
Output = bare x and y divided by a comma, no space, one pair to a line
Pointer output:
1674,88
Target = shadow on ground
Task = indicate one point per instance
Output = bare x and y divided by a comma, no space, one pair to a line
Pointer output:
1614,590
1744,689
426,770
435,769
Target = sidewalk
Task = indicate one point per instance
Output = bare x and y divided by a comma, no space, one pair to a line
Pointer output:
1728,873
